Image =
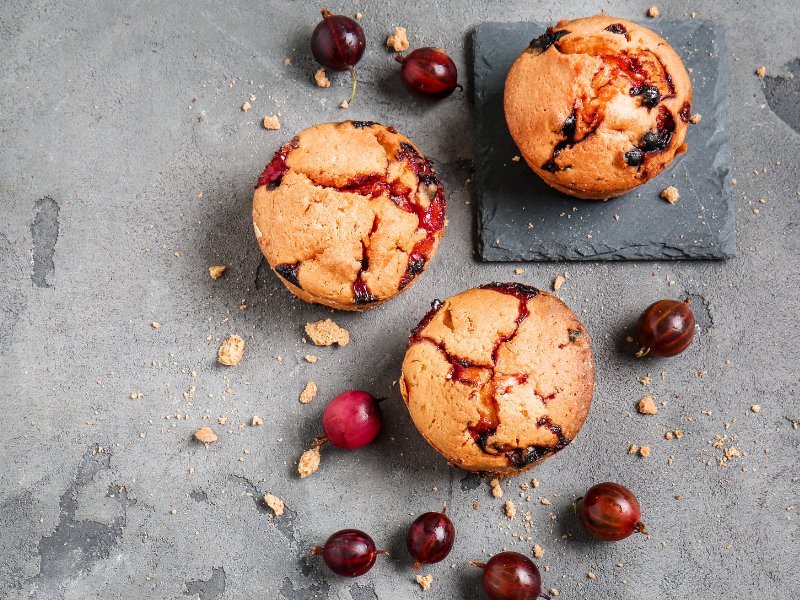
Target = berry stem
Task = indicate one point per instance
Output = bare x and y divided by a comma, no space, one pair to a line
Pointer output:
318,441
355,84
316,550
642,352
639,528
475,563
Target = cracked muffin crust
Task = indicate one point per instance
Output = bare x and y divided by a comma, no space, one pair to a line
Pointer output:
348,214
498,378
598,106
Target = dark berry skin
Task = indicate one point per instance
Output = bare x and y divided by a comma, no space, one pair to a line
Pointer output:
547,39
430,538
651,141
338,42
610,512
511,576
650,96
634,157
349,552
429,72
666,328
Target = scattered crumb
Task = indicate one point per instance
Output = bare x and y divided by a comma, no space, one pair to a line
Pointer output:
519,271
535,482
591,575
287,62
205,435
272,123
275,503
425,581
497,491
311,358
678,433
321,78
733,181
537,551
545,502
252,98
222,420
231,351
756,408
398,41
553,592
510,509
173,511
308,393
327,333
137,395
155,325
309,462
256,421
344,104
761,71
516,158
359,16
668,435
670,194
476,505
644,451
558,282
633,449
246,106
647,406
695,118
653,12
217,271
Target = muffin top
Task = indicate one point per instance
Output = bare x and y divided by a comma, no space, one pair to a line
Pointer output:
348,214
498,378
598,106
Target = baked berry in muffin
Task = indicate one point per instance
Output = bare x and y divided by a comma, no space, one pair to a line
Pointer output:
598,106
498,378
348,214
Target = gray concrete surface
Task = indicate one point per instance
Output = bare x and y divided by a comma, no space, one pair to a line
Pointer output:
116,116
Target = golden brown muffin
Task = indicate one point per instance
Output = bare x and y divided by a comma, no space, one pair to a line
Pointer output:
348,214
499,377
598,106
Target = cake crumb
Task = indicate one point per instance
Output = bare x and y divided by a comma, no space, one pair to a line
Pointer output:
327,333
591,575
398,41
344,104
653,12
544,502
222,420
155,325
535,482
231,351
695,118
558,281
310,358
497,491
537,551
510,509
309,462
321,78
308,393
553,592
761,71
633,449
425,581
647,406
287,62
137,395
668,435
246,106
275,503
256,421
756,408
359,16
476,505
670,194
516,158
519,271
645,380
173,511
272,123
644,451
217,271
205,435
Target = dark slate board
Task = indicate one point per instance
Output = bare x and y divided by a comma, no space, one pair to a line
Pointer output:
520,218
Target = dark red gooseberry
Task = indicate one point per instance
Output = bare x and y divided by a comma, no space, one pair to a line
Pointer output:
610,512
511,576
430,538
338,42
666,328
429,72
349,552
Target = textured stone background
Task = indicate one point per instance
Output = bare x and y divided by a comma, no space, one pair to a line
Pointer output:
103,154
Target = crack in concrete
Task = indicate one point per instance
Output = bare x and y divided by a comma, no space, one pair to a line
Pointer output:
208,589
44,233
75,545
284,523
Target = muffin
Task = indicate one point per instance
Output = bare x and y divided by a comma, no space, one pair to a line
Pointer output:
348,214
498,378
598,106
